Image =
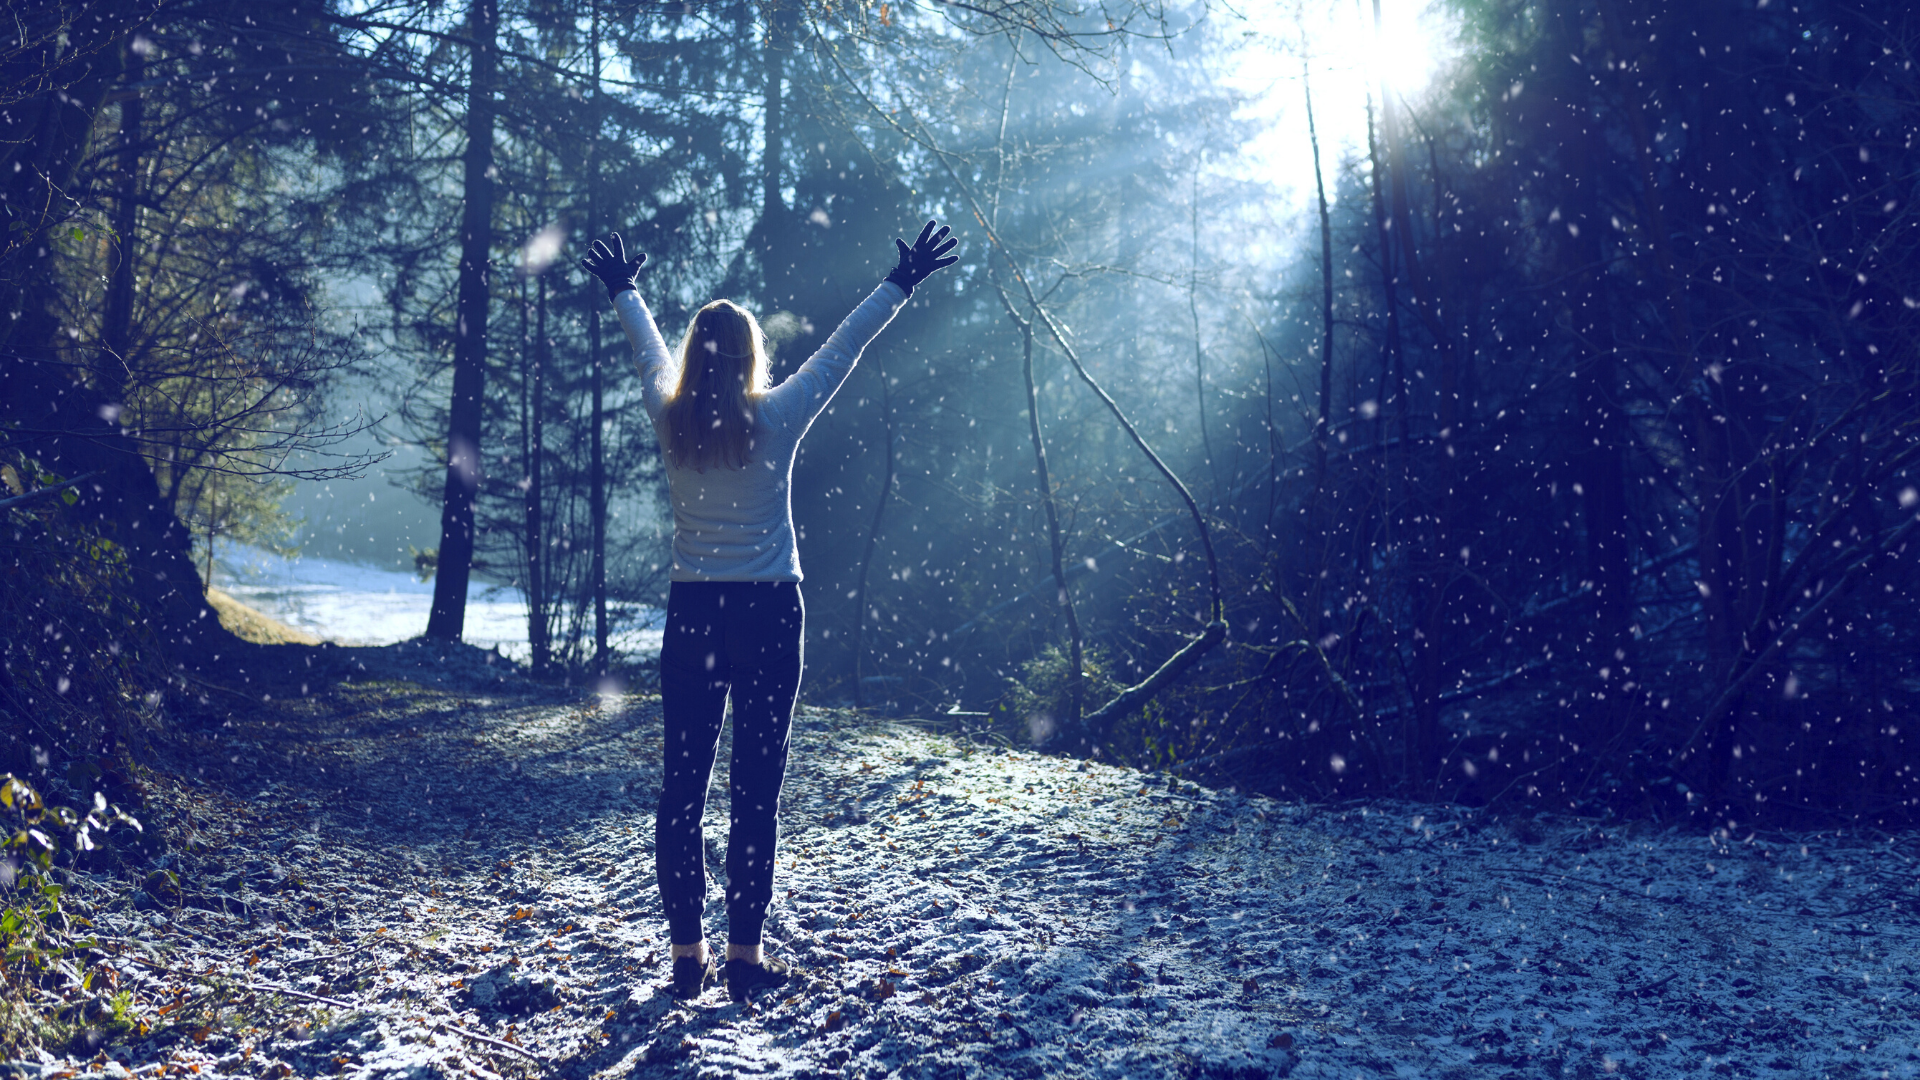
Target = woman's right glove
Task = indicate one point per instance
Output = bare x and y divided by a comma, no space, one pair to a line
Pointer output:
923,258
611,265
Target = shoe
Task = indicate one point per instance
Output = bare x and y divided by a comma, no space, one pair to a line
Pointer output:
691,977
744,979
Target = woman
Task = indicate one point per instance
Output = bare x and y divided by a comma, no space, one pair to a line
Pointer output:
734,617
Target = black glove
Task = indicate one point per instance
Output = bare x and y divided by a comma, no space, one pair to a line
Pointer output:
611,265
923,258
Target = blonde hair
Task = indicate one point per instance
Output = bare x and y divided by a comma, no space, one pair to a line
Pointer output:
723,371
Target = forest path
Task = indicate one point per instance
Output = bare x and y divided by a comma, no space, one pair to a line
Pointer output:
400,875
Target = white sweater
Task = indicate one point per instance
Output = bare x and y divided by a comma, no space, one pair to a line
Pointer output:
737,524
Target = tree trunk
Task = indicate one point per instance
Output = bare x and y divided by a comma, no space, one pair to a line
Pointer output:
772,117
538,638
116,329
772,238
1441,568
866,557
1598,460
597,498
1319,521
1199,354
1415,725
1076,676
597,459
448,619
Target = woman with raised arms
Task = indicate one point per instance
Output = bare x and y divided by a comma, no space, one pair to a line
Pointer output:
734,617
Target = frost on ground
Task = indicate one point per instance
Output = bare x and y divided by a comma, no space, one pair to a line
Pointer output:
387,880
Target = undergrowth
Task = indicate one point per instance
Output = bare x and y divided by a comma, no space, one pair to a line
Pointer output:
81,677
1034,709
54,986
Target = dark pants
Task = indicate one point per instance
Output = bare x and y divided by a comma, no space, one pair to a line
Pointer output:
725,637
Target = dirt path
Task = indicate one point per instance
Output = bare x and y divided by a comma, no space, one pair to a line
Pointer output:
394,881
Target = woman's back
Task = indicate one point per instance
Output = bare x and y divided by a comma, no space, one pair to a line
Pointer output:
736,524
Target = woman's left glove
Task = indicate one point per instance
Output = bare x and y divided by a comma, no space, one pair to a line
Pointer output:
923,258
611,265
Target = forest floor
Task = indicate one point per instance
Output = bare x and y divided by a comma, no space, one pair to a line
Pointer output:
434,868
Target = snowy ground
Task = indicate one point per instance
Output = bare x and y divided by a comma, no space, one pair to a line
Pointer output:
362,605
437,883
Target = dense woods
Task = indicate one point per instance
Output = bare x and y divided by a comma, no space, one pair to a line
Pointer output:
1559,450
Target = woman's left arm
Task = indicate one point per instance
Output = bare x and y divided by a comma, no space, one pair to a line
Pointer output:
807,391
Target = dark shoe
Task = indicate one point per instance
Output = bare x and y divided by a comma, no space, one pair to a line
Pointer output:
744,979
691,977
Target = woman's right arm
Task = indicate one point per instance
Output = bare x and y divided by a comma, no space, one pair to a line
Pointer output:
650,355
607,260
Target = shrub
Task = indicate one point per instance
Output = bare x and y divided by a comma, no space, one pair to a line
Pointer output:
44,957
79,672
1034,708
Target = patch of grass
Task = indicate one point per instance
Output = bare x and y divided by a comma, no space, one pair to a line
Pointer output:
250,624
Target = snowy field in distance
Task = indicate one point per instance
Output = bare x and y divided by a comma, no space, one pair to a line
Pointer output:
351,604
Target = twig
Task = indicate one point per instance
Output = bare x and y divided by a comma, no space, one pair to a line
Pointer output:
216,686
1652,986
448,1024
49,489
289,991
365,940
1730,696
1563,877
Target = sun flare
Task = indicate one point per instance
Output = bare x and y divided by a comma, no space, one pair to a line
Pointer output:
1402,50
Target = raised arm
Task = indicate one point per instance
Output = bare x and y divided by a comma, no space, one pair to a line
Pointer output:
650,355
607,260
807,391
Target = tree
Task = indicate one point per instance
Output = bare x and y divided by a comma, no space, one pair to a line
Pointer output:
470,334
73,382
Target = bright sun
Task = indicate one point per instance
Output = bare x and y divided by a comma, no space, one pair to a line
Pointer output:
1404,51
1348,62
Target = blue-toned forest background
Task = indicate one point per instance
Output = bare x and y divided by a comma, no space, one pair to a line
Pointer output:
1548,437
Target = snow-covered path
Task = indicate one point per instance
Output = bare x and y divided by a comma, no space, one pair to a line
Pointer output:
402,872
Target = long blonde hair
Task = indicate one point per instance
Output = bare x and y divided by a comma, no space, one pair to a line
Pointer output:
723,371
